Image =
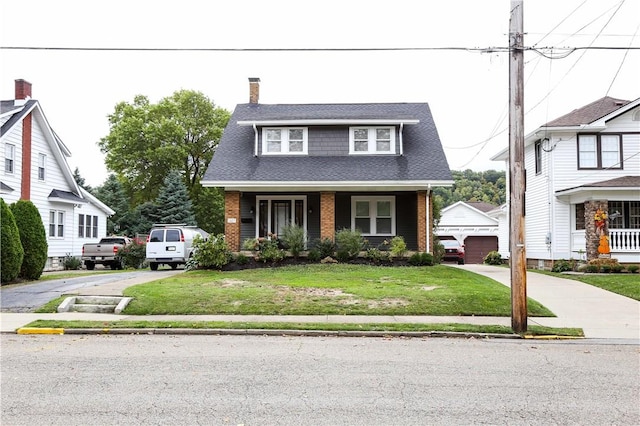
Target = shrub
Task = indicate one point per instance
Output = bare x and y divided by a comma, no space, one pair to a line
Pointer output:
250,244
293,239
33,238
212,253
350,242
438,252
71,263
421,259
593,269
343,256
241,259
563,265
376,255
314,255
326,247
133,255
633,268
493,258
602,265
270,252
11,251
398,246
605,269
617,269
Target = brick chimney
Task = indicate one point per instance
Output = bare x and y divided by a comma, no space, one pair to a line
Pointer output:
254,90
23,92
23,89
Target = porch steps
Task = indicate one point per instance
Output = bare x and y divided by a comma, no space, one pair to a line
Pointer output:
94,304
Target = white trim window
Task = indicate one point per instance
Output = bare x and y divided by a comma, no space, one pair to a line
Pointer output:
9,158
42,164
285,141
374,215
372,140
56,224
602,151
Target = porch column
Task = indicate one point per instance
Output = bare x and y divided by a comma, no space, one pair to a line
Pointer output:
422,222
232,220
592,232
328,215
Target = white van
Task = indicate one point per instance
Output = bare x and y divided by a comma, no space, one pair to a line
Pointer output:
171,244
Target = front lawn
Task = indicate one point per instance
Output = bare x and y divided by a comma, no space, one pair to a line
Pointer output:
624,284
333,289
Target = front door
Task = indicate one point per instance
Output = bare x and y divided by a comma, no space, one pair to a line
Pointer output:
274,214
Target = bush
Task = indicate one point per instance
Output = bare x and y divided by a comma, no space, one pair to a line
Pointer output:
350,242
326,247
212,253
421,259
493,258
241,259
250,244
376,255
71,263
633,268
602,265
398,246
438,252
270,252
293,239
617,269
11,251
593,269
33,238
563,265
133,255
314,255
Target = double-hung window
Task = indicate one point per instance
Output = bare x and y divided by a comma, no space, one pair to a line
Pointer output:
603,151
372,140
538,156
56,224
9,158
285,141
42,163
374,215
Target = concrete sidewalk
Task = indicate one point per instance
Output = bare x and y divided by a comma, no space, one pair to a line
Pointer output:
601,314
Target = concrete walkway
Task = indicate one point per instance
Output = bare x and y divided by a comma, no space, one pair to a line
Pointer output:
599,313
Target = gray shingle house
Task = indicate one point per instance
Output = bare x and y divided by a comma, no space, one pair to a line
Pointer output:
326,167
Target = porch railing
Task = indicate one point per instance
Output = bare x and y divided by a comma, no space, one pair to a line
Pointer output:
624,239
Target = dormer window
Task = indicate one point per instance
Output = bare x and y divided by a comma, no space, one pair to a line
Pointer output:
372,140
284,141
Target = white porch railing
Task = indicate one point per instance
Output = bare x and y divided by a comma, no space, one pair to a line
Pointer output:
624,240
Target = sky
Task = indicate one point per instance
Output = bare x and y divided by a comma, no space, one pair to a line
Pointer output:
467,90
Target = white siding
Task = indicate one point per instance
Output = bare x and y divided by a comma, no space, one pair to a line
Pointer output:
13,179
538,208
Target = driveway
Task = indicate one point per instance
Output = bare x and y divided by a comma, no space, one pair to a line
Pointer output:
600,313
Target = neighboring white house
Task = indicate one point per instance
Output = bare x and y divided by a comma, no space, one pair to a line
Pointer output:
473,224
586,160
35,168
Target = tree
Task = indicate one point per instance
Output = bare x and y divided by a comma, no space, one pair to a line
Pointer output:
487,186
174,205
113,195
80,180
11,251
146,141
33,238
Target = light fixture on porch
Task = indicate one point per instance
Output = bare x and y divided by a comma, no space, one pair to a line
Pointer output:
252,210
310,210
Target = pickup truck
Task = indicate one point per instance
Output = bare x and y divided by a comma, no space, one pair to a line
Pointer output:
105,252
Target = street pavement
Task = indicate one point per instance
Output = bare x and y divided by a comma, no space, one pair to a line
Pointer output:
601,314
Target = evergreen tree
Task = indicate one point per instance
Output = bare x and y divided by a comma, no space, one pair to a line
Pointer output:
33,238
174,205
113,195
11,252
80,180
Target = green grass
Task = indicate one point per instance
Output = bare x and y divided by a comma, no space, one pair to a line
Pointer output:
380,327
624,284
324,290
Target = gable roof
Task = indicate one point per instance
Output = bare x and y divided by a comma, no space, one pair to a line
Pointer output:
422,163
589,113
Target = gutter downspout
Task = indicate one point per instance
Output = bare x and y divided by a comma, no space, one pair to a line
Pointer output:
401,144
428,233
255,144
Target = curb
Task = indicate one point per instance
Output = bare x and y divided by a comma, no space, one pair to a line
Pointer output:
259,332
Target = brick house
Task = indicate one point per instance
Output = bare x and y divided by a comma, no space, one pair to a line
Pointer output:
327,167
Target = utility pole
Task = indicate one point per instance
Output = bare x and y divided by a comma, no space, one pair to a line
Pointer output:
516,170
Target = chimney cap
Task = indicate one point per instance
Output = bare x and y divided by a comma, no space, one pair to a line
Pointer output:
254,79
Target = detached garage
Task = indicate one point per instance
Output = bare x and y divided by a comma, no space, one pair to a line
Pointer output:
471,225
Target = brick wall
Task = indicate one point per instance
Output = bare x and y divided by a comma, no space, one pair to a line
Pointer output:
422,221
328,215
590,234
232,220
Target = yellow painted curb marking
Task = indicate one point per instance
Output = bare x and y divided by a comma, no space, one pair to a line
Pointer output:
35,330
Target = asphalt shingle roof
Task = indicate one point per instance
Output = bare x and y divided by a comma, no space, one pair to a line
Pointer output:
589,113
423,157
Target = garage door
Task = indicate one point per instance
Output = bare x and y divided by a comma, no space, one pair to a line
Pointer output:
476,248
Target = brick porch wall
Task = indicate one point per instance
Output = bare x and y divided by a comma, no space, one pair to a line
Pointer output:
232,220
422,221
590,234
328,215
